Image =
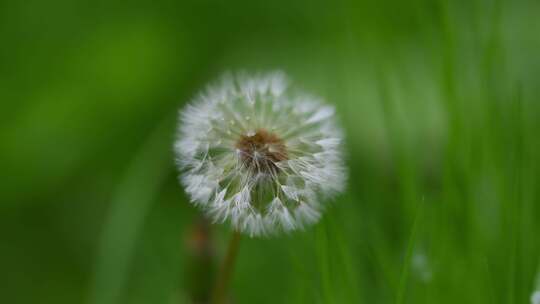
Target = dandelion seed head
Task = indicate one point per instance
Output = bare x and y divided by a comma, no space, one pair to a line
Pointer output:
254,152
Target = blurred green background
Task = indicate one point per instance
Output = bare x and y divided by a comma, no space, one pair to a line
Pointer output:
439,100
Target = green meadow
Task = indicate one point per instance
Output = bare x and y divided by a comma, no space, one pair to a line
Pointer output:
439,100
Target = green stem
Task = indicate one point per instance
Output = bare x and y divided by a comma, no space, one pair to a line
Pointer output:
225,273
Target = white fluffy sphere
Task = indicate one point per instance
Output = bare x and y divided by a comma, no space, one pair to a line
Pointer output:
254,153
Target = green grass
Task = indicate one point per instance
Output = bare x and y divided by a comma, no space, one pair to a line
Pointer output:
439,100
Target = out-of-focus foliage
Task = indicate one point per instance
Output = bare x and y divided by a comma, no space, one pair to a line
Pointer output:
439,100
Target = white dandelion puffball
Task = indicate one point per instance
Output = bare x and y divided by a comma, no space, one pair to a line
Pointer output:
254,153
535,298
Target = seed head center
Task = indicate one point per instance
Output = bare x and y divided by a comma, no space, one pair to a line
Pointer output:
260,151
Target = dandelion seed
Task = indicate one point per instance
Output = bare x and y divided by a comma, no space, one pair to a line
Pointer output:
421,267
535,298
255,154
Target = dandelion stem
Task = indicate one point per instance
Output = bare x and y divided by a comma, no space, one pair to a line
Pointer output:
225,273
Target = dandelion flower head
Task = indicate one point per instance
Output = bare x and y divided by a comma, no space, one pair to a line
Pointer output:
256,153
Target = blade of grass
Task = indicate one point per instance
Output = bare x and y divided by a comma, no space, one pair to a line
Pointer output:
132,199
400,298
352,286
324,262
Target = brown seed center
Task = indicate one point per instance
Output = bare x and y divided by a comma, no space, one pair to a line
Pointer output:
260,151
